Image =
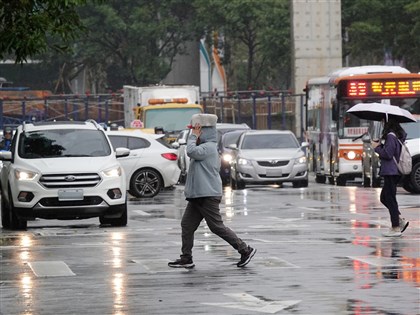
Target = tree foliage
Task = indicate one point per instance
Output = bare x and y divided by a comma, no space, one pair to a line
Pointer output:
256,39
378,28
136,41
29,27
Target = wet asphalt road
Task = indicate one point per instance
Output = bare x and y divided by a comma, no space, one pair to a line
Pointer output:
319,251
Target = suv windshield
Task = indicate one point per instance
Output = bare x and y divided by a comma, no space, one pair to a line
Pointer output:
63,143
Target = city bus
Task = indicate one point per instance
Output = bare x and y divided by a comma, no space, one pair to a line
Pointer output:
336,147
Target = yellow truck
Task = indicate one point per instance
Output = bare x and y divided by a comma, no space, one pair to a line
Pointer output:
161,109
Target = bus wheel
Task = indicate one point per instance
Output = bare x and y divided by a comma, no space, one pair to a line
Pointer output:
320,179
341,181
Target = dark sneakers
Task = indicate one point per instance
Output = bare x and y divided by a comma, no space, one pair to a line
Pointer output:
183,262
246,257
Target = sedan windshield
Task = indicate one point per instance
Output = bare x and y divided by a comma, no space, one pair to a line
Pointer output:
269,141
63,143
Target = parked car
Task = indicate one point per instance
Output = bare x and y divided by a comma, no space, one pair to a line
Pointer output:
268,157
225,153
181,141
62,170
151,165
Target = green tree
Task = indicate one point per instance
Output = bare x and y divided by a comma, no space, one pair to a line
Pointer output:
257,39
373,28
30,27
134,41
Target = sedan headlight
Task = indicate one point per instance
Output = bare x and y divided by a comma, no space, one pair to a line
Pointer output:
25,175
112,172
227,157
301,160
242,161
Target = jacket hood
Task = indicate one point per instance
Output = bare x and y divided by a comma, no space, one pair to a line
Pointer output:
208,134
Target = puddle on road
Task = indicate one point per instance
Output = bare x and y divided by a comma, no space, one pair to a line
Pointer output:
10,241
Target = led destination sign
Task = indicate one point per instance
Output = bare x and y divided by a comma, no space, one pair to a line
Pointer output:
382,88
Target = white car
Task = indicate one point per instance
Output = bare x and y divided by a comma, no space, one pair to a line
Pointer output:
62,170
268,157
151,165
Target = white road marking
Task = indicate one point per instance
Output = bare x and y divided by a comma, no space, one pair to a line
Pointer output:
380,261
275,262
142,213
251,303
50,269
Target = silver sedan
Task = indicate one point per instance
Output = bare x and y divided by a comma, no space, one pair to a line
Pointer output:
268,157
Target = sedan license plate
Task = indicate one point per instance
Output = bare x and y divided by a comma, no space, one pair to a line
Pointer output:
273,173
70,194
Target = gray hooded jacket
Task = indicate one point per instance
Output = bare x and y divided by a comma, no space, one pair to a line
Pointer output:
203,178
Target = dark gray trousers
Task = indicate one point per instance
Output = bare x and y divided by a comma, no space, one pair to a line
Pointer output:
207,208
389,198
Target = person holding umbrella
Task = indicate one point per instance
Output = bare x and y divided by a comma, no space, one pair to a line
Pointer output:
388,148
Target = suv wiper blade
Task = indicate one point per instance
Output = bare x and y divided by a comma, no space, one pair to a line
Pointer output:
74,155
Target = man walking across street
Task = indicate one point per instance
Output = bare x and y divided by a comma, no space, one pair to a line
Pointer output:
203,190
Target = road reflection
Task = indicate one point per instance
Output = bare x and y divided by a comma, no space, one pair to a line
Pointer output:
118,277
26,282
389,260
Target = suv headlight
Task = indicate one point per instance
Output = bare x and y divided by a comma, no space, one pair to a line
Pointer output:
25,175
301,160
112,172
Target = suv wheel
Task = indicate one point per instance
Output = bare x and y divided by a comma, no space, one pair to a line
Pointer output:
15,222
5,213
121,221
145,183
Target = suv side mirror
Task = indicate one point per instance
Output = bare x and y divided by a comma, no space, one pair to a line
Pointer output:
122,152
5,156
233,146
304,144
182,141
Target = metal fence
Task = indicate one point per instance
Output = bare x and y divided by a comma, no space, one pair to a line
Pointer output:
258,109
102,108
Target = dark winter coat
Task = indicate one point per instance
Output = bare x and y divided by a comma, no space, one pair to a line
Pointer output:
387,151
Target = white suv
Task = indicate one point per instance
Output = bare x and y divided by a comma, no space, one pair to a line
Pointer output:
62,170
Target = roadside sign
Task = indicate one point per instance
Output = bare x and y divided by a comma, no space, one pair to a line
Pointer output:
136,123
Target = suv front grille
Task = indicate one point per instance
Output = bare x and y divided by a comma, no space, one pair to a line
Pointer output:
87,201
70,180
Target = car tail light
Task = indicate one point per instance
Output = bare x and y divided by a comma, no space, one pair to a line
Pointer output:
170,156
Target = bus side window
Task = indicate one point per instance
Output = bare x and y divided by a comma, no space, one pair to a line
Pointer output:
334,110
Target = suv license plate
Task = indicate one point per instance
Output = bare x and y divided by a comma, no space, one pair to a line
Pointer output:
70,194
